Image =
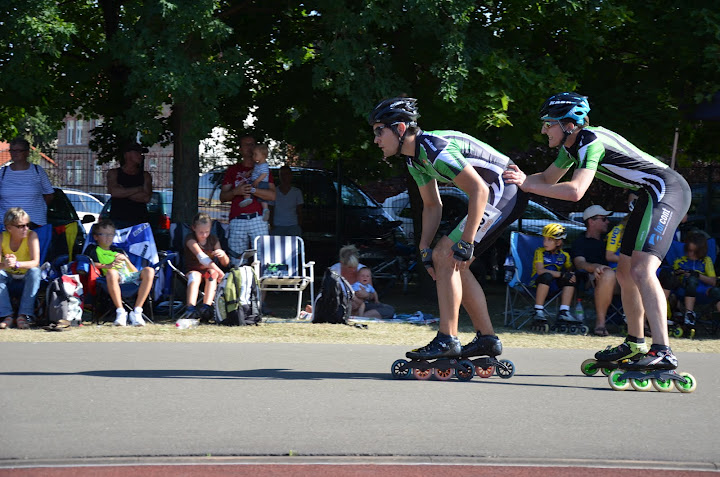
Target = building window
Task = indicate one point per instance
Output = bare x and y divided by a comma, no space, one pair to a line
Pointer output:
78,131
69,165
98,179
70,125
78,171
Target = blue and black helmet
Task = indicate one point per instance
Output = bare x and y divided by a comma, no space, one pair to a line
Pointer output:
566,106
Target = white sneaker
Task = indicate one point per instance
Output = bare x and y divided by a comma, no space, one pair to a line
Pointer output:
136,319
120,318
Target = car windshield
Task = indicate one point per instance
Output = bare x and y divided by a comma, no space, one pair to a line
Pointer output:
354,197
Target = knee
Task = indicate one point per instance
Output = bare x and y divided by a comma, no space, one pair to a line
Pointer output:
147,273
691,285
544,279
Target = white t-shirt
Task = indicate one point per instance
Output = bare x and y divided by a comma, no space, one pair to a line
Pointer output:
25,189
286,207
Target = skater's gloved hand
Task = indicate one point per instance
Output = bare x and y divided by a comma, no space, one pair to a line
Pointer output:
463,251
426,256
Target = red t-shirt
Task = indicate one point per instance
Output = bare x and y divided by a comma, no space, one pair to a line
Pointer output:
236,175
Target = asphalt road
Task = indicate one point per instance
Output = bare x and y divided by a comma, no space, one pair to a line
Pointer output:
68,401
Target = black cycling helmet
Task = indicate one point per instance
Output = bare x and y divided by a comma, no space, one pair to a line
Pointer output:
566,105
395,110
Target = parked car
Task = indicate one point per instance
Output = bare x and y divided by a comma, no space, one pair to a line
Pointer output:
455,207
100,196
85,205
160,210
61,212
361,218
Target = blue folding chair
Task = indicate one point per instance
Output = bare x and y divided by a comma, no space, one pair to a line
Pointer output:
519,292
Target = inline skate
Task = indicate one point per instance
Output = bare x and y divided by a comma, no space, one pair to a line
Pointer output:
611,357
565,323
540,322
656,369
441,358
683,325
485,349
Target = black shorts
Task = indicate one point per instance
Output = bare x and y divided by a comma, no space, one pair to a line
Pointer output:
652,223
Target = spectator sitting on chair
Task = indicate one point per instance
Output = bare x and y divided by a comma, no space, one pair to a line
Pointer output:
695,273
25,185
20,261
201,247
286,211
130,187
551,264
366,297
118,269
588,252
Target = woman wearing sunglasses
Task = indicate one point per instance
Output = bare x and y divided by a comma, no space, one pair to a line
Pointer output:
476,168
20,263
664,198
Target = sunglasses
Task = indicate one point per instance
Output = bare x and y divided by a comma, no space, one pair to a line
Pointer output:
549,124
21,226
379,130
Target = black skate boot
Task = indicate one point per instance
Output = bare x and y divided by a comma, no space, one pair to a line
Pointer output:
442,346
655,359
482,346
626,350
690,318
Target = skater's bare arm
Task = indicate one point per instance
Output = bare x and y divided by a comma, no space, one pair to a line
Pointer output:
432,213
477,190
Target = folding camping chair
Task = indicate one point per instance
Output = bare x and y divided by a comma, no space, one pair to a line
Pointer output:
139,245
707,316
519,293
280,266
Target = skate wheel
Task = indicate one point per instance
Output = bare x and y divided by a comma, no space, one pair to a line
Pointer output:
546,328
692,333
422,374
677,332
443,374
465,370
483,372
562,329
687,387
662,385
573,329
506,370
589,367
616,383
606,371
641,384
584,330
400,369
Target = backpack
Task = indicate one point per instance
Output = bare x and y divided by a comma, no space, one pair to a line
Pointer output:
334,302
64,299
237,300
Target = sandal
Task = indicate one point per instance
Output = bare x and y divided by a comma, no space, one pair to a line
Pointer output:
22,322
7,322
601,331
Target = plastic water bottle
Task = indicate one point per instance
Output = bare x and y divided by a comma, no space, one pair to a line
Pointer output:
579,311
185,323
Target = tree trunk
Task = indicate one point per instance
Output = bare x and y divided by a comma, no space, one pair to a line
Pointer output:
186,167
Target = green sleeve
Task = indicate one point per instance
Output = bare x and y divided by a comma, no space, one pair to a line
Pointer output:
563,161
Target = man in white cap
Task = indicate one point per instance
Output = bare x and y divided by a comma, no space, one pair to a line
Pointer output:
588,253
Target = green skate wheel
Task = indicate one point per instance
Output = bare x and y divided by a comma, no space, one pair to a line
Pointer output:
616,383
606,371
687,387
662,385
400,369
422,374
692,333
589,368
443,374
641,384
506,370
677,332
465,370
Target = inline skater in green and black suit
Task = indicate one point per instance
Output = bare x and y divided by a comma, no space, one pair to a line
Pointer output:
476,168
